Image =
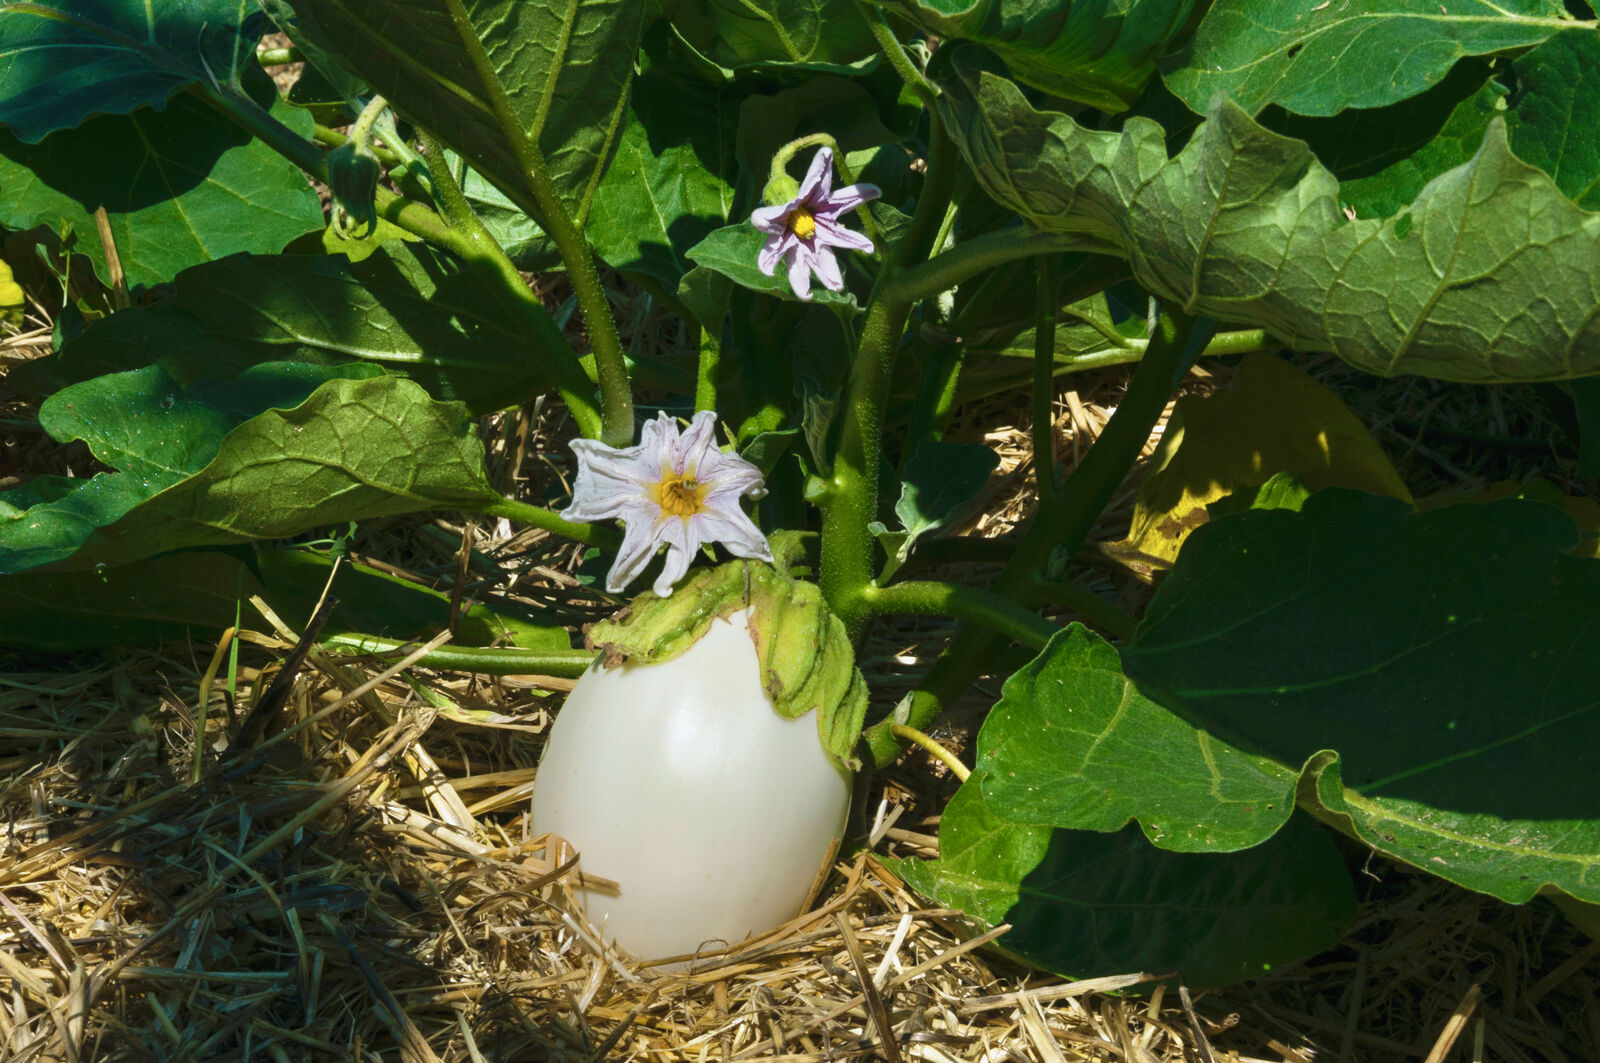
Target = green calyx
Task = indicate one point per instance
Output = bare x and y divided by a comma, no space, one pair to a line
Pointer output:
804,655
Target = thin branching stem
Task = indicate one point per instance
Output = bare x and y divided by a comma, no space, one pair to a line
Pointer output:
616,391
1061,523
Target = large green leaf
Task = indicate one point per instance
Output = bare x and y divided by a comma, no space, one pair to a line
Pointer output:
1320,59
1555,120
1386,185
64,60
731,251
1099,52
671,183
1422,680
201,592
563,68
1490,274
203,468
774,35
180,186
1085,904
405,306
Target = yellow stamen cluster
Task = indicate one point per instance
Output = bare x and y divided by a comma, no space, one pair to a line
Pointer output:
680,496
802,224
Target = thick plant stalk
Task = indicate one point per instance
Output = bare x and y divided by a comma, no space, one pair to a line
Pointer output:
1064,521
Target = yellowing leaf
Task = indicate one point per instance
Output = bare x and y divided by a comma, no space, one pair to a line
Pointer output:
1276,419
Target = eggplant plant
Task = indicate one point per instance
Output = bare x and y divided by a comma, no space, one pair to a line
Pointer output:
863,220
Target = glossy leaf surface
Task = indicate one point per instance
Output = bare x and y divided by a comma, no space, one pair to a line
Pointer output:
180,186
1419,678
563,71
1490,274
62,61
1319,59
1084,904
1099,52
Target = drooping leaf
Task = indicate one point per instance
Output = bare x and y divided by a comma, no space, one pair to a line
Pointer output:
405,306
1085,904
62,61
1490,274
938,483
1388,191
1099,52
198,592
564,70
732,251
1555,114
180,187
351,449
1320,59
1421,679
1275,419
671,183
738,36
1384,156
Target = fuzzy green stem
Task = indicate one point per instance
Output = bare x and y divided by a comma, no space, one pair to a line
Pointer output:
616,391
333,139
549,520
929,225
1044,380
481,659
1063,522
1086,603
850,500
890,46
971,257
705,381
936,598
450,197
935,749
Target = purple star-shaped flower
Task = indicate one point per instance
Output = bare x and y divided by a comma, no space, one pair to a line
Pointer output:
673,490
805,230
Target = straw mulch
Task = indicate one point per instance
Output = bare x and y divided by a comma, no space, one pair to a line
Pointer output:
354,877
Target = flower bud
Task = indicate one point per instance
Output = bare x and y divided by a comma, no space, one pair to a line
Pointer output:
353,172
780,190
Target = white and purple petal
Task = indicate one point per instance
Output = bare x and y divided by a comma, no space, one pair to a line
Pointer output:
832,234
819,179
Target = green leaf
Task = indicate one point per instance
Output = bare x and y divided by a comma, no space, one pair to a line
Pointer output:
1321,59
1084,904
1384,192
1099,52
197,592
774,35
732,251
939,483
62,61
1491,274
1555,120
1274,419
406,306
671,183
180,187
354,449
564,70
1422,680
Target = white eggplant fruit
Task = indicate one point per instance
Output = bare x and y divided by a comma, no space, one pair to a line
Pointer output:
676,773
